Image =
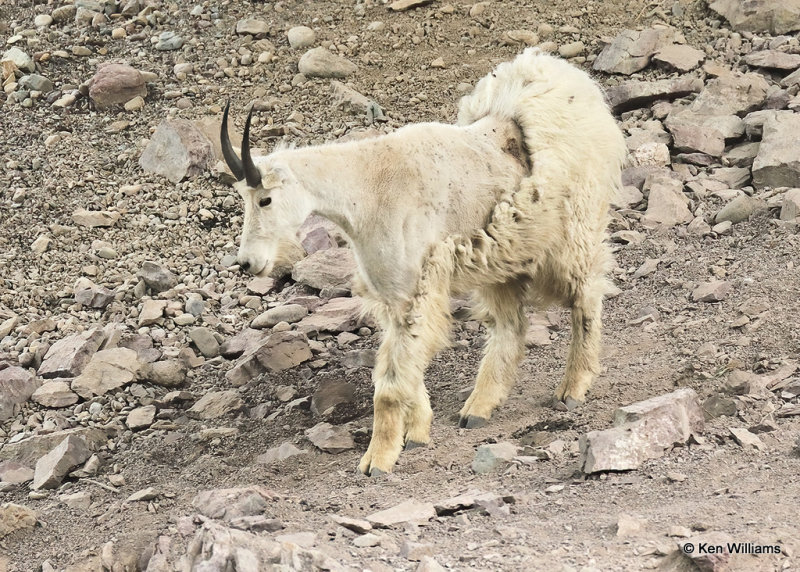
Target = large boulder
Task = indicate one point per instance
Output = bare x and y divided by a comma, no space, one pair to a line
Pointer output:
115,84
177,150
778,161
773,16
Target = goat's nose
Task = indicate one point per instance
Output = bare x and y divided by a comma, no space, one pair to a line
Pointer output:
244,265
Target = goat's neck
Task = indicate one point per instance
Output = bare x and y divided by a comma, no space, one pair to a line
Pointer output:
333,178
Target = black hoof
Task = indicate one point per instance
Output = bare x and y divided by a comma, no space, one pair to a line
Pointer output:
413,445
471,422
572,403
376,472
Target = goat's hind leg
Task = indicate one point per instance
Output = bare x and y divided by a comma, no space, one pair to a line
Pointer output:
583,362
504,314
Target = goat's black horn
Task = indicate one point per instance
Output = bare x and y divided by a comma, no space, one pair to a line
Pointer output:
234,163
251,172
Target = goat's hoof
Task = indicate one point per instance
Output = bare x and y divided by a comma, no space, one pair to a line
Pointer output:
376,472
413,445
571,403
472,422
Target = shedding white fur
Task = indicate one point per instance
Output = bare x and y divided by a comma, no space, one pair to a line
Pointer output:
510,204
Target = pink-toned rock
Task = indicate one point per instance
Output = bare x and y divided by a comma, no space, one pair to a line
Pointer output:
644,430
329,268
15,473
714,291
16,387
107,370
680,57
177,150
280,351
116,83
68,356
54,393
52,468
409,511
338,315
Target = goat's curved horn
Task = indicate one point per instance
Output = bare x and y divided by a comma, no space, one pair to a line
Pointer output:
234,163
251,172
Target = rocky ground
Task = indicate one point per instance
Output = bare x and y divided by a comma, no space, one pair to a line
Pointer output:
159,410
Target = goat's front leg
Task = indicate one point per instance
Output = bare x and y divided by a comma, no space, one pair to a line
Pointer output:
403,412
504,315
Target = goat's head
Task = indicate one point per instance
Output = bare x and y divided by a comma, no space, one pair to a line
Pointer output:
271,216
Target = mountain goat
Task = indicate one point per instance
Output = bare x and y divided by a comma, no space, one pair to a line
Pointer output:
511,204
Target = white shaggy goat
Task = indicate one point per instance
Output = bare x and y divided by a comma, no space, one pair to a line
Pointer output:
510,204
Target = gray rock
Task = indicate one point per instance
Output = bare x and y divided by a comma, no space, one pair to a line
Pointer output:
773,59
14,517
7,326
331,268
216,404
329,395
643,430
16,387
146,494
791,79
629,525
115,84
280,351
731,94
338,315
141,417
19,58
280,453
168,41
410,511
93,219
246,341
666,203
301,37
790,206
252,27
228,504
52,468
177,150
741,155
166,373
69,356
714,291
360,358
773,16
290,313
15,473
697,132
738,210
631,50
357,525
778,160
28,451
680,57
204,340
107,370
36,82
91,295
733,177
348,99
157,277
633,94
319,62
745,438
54,394
330,438
493,457
466,501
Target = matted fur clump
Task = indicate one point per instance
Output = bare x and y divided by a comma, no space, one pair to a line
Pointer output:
509,204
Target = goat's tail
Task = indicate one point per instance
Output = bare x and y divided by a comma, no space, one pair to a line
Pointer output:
572,139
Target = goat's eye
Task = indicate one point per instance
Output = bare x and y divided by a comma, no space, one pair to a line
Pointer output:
265,202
